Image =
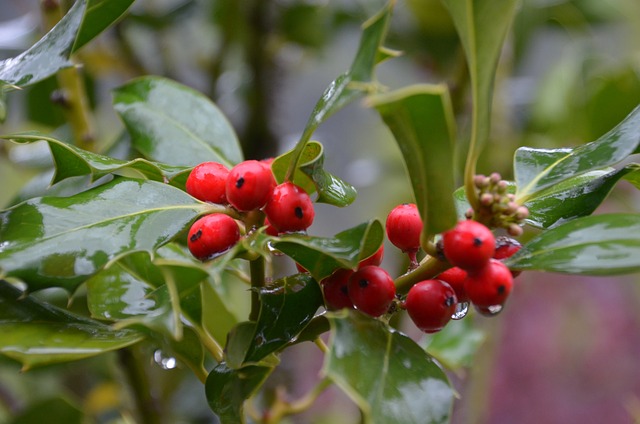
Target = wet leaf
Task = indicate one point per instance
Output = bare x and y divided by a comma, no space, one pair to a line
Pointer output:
287,307
100,15
482,26
456,344
61,241
594,245
36,333
537,169
354,83
174,124
572,198
421,120
71,161
321,256
227,389
385,373
46,57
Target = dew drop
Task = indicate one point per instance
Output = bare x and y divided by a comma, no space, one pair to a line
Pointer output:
461,310
165,362
489,311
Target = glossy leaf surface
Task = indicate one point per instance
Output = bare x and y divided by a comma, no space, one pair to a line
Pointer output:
227,389
71,161
421,120
321,256
537,169
37,333
46,57
61,241
482,26
572,198
314,178
100,15
174,124
287,307
594,245
456,344
386,373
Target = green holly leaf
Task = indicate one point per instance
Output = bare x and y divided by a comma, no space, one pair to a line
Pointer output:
36,333
71,161
538,169
287,307
321,256
594,245
422,122
174,124
53,410
389,377
100,15
482,26
46,57
354,83
227,389
62,241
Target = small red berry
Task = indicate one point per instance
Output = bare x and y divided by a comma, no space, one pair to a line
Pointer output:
455,277
469,245
334,287
212,235
207,182
430,304
505,248
404,226
290,208
375,259
489,286
249,185
371,290
270,230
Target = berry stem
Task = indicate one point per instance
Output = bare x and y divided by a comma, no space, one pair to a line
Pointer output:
427,269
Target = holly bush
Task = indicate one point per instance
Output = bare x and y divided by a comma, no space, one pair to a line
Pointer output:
111,227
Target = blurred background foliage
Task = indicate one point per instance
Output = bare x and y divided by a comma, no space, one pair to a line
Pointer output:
566,348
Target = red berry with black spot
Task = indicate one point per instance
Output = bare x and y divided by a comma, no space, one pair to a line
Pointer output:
505,248
375,259
489,286
430,304
207,182
249,185
290,208
212,235
469,245
371,289
455,277
404,226
335,289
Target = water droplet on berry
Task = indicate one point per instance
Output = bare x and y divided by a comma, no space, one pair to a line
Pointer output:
166,362
461,310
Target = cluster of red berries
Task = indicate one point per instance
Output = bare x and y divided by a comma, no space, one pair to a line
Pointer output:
248,186
477,276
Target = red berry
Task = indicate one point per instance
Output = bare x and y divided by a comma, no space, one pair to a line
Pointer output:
371,290
505,248
249,185
212,235
430,304
469,245
489,286
404,226
334,287
270,230
290,208
207,182
375,259
455,277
